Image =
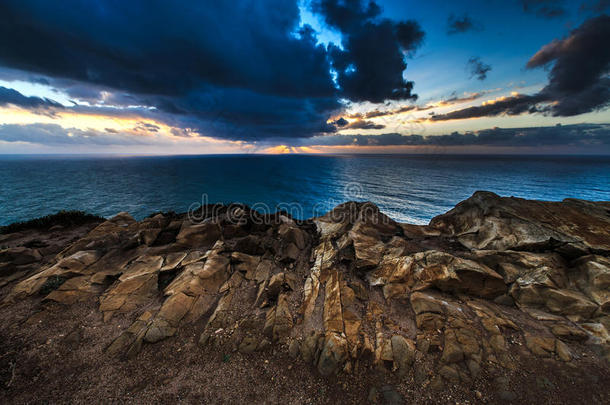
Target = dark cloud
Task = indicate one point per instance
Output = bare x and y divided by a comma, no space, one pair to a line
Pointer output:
578,80
357,124
457,25
477,68
201,60
11,96
593,136
341,122
11,75
162,48
514,105
238,70
544,8
452,99
248,115
583,135
370,66
389,112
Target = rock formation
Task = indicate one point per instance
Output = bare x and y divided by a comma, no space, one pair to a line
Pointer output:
493,287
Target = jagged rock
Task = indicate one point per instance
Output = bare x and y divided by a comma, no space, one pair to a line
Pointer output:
279,319
480,292
172,261
527,292
562,350
450,273
539,345
276,284
597,331
512,265
333,354
570,332
67,267
487,221
159,330
292,234
290,253
71,291
201,236
592,276
248,244
429,312
333,313
368,250
129,343
310,347
19,255
403,353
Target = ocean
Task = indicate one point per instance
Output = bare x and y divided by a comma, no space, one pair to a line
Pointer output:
408,188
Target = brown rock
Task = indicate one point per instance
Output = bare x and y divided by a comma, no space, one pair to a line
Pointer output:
487,221
562,350
292,234
333,313
202,236
333,355
403,353
450,273
369,287
539,345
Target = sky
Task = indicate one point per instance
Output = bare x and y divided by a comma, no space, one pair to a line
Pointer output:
305,76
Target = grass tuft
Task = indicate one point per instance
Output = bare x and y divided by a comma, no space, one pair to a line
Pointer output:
52,284
63,218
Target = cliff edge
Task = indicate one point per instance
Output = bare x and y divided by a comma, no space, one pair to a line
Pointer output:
499,299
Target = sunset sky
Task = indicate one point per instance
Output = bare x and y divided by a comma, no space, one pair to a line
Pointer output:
309,76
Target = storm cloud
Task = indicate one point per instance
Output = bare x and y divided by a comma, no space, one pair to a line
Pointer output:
241,70
578,80
370,66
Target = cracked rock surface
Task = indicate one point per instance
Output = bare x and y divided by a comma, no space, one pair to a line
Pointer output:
500,299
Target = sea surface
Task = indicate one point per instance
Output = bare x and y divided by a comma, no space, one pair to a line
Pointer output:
408,188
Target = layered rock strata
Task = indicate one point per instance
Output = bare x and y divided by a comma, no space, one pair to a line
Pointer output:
493,284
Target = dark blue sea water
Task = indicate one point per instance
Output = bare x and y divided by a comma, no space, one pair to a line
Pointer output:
408,188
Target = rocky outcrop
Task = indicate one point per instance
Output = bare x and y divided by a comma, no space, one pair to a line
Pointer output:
489,287
486,221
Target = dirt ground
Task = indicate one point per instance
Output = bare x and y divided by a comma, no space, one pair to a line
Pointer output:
58,357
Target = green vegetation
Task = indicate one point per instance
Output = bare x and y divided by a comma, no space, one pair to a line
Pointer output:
51,284
63,218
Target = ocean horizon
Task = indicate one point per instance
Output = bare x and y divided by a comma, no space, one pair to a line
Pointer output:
408,188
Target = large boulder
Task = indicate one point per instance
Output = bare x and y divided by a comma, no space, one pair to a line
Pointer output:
487,221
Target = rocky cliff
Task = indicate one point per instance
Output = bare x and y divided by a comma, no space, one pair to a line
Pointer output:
500,299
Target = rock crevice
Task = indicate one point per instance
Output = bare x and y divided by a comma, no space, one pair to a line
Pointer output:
490,285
